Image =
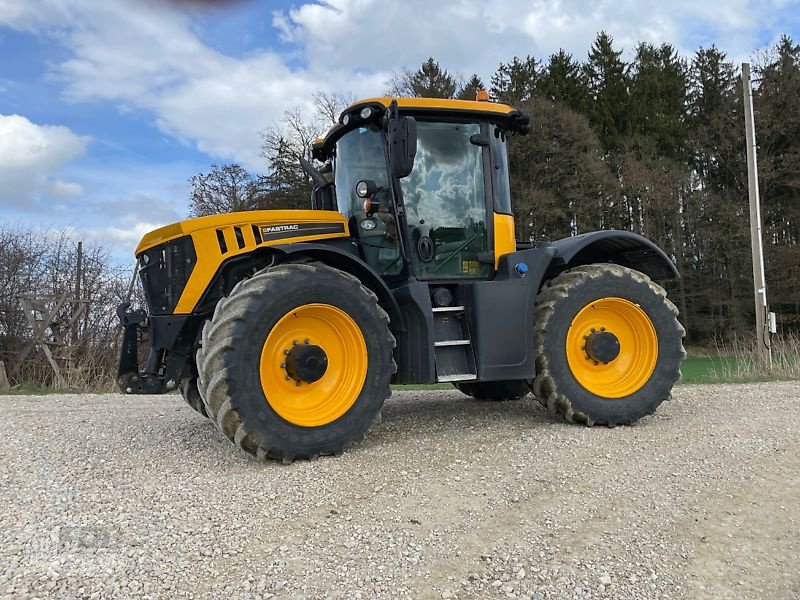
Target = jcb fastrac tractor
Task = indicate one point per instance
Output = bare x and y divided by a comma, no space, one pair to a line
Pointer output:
287,327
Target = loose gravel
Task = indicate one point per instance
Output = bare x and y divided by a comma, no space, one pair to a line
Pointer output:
140,497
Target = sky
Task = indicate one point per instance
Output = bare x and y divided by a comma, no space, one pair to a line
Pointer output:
108,107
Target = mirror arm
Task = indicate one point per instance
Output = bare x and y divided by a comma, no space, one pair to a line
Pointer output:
317,177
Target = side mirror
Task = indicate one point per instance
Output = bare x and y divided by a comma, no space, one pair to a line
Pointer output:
402,139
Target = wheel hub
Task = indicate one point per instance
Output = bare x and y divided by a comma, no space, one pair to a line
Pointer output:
602,346
612,347
306,363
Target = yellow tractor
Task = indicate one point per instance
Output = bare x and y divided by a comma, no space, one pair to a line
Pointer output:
286,328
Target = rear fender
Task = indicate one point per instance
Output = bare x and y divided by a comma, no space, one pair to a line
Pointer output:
619,247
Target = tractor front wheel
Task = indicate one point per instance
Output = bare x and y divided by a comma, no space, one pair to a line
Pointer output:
191,395
608,345
296,362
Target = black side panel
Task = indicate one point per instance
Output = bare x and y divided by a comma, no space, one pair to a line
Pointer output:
414,353
620,247
501,316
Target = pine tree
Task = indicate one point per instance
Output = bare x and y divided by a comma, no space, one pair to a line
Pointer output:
516,81
607,81
470,88
429,81
716,270
777,104
562,81
658,97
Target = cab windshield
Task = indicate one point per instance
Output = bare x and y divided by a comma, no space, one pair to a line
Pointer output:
360,156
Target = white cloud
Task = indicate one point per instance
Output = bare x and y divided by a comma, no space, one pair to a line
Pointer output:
31,155
149,55
64,189
120,241
476,35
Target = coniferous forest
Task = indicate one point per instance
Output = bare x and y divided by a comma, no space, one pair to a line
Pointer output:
644,139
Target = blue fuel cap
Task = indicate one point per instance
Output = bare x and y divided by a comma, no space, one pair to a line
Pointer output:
521,269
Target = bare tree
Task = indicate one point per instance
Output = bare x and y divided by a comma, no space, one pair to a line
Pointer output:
227,188
43,264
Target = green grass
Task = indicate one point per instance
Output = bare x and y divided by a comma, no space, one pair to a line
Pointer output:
733,369
707,369
695,370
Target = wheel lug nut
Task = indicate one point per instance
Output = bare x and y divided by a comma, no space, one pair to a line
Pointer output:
283,365
306,341
286,352
297,384
295,342
288,377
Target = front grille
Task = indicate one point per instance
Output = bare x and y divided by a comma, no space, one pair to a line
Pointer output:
164,271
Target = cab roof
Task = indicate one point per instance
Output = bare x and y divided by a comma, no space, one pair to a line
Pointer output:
502,113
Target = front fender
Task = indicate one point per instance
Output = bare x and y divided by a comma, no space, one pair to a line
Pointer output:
621,247
350,263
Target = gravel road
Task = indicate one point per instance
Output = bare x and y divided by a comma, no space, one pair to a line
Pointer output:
113,496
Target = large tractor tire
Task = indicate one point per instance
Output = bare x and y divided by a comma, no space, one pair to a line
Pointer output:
494,390
608,345
296,362
191,395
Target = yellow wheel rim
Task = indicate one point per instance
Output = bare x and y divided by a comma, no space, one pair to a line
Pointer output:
328,398
637,348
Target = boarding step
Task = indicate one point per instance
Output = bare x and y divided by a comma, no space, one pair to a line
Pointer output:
444,309
455,359
452,343
457,377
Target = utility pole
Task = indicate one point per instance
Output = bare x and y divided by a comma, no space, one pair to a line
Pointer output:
763,318
76,306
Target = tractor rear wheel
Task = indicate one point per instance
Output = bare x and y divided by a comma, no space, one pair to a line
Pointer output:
296,362
191,395
608,345
494,390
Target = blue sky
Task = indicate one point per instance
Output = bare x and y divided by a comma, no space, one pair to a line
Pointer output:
107,107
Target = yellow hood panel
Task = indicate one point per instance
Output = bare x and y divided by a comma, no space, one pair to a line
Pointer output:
250,217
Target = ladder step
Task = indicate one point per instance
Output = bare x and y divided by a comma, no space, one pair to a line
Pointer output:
441,309
457,377
452,343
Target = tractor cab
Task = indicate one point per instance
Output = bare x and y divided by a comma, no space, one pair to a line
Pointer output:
423,184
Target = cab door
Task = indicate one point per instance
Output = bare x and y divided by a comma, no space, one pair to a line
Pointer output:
445,201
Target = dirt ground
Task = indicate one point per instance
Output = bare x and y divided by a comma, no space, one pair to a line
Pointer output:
113,496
